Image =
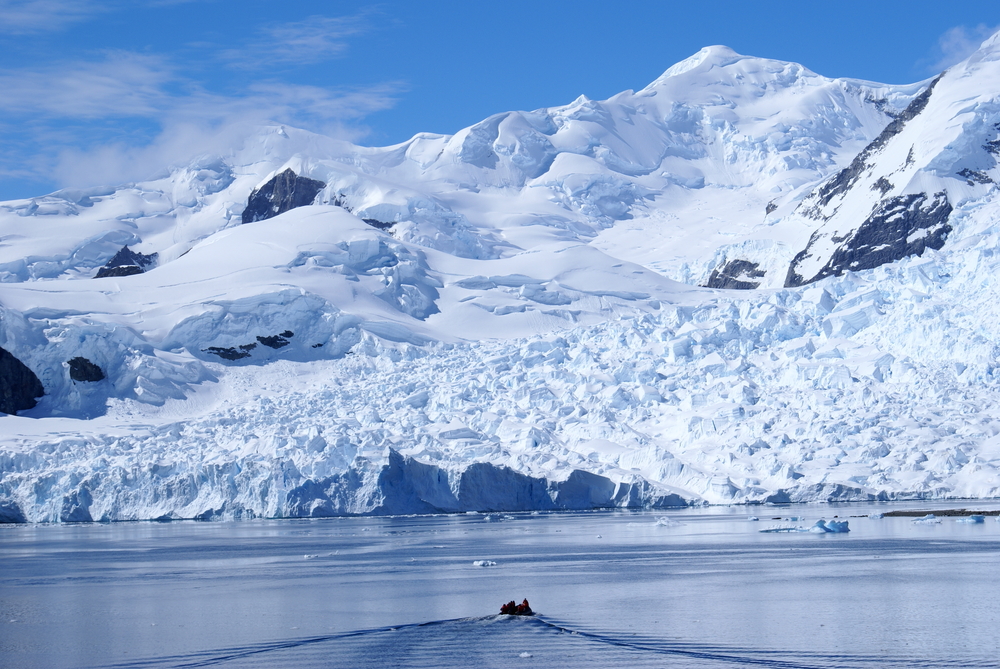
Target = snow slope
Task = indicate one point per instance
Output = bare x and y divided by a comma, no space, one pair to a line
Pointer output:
511,317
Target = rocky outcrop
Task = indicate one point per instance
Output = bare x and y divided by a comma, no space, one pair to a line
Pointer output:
126,263
871,212
81,369
736,274
898,227
284,192
245,350
863,162
19,387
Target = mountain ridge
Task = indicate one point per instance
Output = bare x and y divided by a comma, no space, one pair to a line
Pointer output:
519,303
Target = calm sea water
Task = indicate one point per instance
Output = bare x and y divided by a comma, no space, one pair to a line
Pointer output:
705,588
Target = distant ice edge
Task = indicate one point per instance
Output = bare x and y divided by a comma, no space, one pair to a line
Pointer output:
399,485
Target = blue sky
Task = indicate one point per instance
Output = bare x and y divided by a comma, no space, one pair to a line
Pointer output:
108,91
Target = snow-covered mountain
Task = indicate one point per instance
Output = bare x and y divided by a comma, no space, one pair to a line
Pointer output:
745,282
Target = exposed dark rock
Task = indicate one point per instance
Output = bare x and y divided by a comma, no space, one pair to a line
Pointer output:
284,192
10,512
126,263
910,513
81,369
375,223
882,185
885,236
19,387
848,176
734,274
993,146
123,270
273,341
243,350
882,105
231,353
770,207
973,177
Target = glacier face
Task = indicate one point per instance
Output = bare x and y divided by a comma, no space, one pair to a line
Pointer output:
510,317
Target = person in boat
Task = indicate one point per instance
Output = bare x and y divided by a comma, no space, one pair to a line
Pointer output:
512,608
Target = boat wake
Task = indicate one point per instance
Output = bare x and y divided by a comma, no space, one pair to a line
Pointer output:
501,639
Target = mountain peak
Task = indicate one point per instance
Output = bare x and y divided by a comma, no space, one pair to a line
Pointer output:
989,50
706,58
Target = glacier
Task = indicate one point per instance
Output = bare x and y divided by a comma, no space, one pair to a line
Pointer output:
746,283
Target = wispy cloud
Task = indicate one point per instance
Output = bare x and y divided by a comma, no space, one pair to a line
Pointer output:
127,115
26,17
957,44
313,40
121,84
119,116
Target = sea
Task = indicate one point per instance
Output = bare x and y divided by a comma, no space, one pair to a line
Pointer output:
698,587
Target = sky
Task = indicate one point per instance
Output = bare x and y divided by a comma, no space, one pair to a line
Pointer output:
104,92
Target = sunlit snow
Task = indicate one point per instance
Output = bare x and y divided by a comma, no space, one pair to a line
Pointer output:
520,323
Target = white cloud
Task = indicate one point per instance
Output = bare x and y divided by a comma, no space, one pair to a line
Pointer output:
25,17
313,40
121,116
128,115
122,84
957,44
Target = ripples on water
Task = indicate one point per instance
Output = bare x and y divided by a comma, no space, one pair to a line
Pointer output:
704,589
509,641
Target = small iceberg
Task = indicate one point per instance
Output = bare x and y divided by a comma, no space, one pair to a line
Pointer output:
830,527
484,563
784,528
875,516
753,518
820,527
929,519
972,520
667,522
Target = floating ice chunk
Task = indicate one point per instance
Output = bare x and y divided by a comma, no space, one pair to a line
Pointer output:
484,563
667,522
784,528
753,518
599,536
310,557
929,519
830,526
875,516
972,520
525,655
